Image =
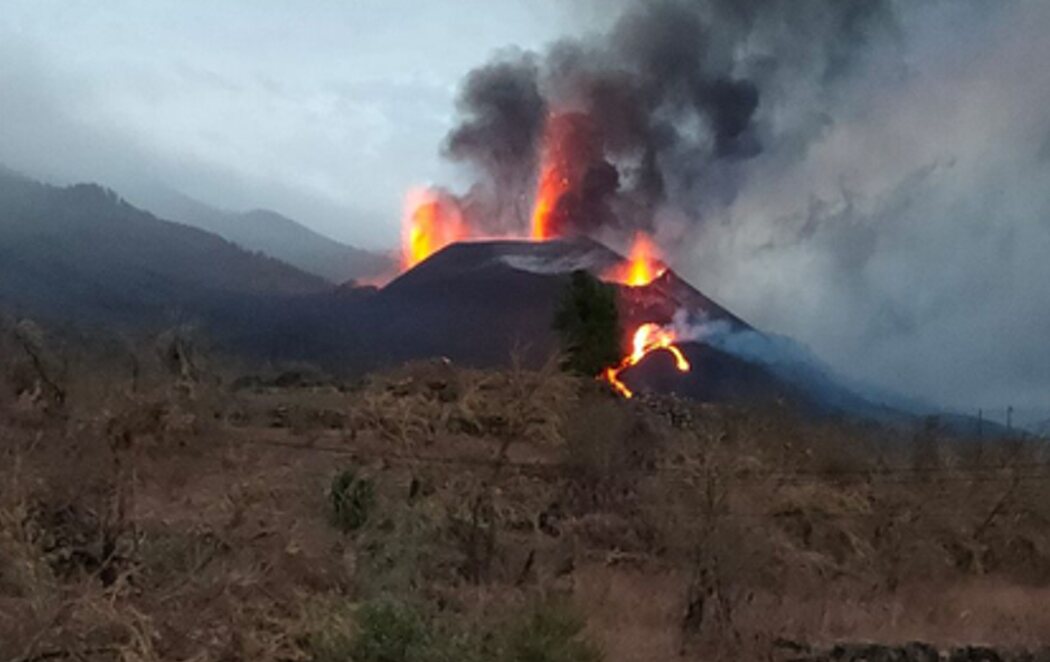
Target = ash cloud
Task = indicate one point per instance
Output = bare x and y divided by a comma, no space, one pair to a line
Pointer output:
669,105
503,114
907,242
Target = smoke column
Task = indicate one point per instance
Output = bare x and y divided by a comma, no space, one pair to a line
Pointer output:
867,177
667,108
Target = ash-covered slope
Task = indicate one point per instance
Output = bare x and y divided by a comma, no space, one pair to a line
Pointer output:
480,302
519,273
471,302
494,291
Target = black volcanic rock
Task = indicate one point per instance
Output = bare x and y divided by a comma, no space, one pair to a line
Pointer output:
474,266
477,303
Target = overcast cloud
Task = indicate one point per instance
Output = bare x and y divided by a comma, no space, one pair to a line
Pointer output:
326,111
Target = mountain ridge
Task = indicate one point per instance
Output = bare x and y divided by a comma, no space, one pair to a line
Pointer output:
271,233
82,252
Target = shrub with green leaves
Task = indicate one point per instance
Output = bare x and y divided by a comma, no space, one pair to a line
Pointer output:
352,499
390,631
550,631
588,322
393,631
328,629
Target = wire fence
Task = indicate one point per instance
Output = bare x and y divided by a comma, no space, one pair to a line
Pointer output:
884,475
1005,479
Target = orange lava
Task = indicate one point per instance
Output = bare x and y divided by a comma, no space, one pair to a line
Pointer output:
430,223
570,145
553,182
552,185
643,265
647,338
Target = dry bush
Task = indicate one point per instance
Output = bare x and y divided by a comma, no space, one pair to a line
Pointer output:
415,404
29,592
537,403
34,372
597,440
609,446
8,351
139,526
822,513
75,558
405,419
519,404
62,559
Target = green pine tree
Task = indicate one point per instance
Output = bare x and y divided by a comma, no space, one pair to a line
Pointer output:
588,322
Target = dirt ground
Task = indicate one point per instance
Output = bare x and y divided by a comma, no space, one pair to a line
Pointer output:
197,514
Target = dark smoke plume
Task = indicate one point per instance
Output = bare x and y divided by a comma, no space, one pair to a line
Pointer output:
670,105
503,114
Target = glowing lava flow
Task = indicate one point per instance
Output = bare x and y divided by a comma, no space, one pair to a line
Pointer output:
642,266
570,147
647,339
552,184
430,224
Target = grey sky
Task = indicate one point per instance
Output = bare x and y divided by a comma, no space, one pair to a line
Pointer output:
326,110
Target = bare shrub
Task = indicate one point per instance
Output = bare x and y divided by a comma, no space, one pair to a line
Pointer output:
413,405
404,419
608,446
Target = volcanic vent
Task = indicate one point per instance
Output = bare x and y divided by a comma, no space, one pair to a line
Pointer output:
603,137
479,301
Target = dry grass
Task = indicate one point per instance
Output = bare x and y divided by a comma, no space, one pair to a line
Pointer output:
422,401
145,520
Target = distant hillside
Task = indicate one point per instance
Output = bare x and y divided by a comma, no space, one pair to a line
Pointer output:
272,234
82,253
1040,429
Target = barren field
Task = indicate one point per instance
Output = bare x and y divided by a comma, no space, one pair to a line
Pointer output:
176,510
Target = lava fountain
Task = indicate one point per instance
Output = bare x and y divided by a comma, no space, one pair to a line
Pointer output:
553,181
430,223
570,150
642,267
